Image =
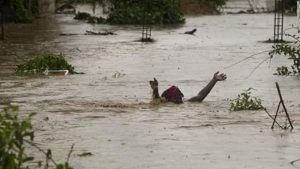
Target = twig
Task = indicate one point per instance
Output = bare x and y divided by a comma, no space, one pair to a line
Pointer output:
256,67
273,118
70,152
48,156
41,150
251,56
289,35
283,105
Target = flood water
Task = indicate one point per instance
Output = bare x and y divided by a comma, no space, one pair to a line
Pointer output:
106,111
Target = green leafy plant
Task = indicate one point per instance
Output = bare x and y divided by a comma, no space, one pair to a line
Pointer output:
285,71
292,50
13,133
290,6
43,62
88,17
245,101
82,16
16,134
20,10
132,12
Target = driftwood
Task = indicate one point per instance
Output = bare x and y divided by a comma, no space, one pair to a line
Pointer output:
88,33
190,32
68,34
99,33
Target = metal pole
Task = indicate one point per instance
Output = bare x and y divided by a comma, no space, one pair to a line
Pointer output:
282,13
275,11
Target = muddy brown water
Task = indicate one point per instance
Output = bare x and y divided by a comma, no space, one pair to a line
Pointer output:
106,111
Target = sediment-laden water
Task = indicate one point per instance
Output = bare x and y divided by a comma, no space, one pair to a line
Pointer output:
106,111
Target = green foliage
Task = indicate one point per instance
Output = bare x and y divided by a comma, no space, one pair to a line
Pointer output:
290,6
132,12
63,166
283,71
245,101
13,133
89,18
20,10
16,134
292,50
82,16
43,62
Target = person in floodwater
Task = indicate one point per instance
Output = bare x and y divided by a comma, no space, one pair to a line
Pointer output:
173,94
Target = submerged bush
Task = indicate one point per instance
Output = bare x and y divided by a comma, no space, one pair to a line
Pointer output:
245,101
44,62
89,18
292,50
82,16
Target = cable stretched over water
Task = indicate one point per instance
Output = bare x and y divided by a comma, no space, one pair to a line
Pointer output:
251,56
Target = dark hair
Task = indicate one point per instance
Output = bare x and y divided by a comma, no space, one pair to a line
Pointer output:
173,94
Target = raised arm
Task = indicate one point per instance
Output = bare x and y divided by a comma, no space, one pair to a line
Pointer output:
206,90
154,86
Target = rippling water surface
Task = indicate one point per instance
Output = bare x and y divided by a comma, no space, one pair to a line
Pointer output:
106,111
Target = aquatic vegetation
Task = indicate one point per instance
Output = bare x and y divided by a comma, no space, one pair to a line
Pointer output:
43,62
292,50
245,101
16,134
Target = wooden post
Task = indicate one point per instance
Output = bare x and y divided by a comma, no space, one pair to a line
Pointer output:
276,115
284,108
